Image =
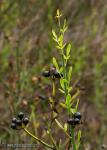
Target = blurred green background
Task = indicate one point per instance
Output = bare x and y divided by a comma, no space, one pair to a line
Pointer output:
26,48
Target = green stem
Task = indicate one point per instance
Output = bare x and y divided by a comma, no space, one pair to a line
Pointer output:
61,127
53,141
59,23
66,86
71,130
53,87
39,140
73,138
64,72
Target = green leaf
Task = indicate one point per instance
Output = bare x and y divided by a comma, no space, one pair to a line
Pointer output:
69,74
58,123
73,110
61,70
68,102
69,89
68,49
58,47
64,28
65,127
62,104
77,105
79,140
62,83
60,39
54,34
55,39
79,135
64,45
62,91
66,57
55,63
65,25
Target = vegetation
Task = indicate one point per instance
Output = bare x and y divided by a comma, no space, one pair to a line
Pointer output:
44,76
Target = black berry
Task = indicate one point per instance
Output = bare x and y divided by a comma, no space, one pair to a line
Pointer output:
13,126
19,122
25,121
76,120
71,121
46,73
57,75
21,115
14,120
77,115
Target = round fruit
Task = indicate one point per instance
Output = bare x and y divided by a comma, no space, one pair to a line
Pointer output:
77,115
19,122
46,73
13,126
21,115
25,121
14,120
57,75
77,121
71,121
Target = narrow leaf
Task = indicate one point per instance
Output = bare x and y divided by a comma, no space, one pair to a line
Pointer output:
79,139
77,105
54,34
62,83
58,123
61,70
60,39
79,135
69,89
68,102
69,74
62,91
68,49
73,110
55,63
65,127
62,104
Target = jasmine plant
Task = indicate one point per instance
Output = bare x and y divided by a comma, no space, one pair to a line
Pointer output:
65,51
62,72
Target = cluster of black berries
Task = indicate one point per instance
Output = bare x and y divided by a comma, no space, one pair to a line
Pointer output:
53,73
18,123
75,120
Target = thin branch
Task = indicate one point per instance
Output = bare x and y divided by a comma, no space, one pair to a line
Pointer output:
39,140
